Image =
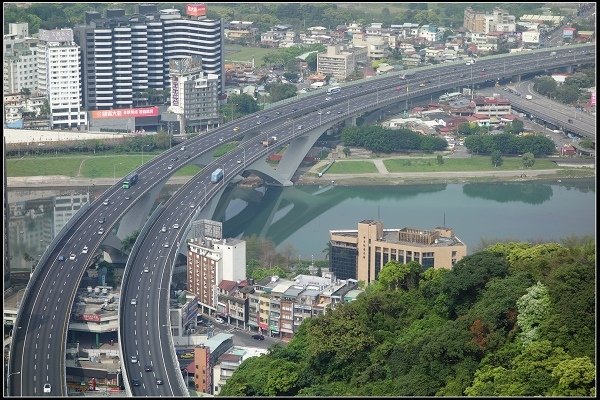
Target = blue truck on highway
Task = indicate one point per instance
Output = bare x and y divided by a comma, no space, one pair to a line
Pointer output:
217,175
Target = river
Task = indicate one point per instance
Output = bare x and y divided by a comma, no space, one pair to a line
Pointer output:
300,217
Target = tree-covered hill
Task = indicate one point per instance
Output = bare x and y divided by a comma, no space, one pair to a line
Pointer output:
515,319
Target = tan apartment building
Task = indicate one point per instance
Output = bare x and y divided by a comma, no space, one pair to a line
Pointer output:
339,63
361,254
208,263
492,106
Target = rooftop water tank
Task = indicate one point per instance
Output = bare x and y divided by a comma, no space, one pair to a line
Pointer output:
89,289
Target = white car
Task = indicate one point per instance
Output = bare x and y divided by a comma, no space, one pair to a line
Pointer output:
133,303
320,112
175,226
166,245
100,231
220,320
239,161
134,359
72,256
85,250
192,206
47,388
106,202
170,167
146,270
163,229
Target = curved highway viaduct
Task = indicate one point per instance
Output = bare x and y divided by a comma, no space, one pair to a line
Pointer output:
38,346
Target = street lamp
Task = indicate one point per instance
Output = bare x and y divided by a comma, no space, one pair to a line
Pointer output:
8,381
146,145
114,172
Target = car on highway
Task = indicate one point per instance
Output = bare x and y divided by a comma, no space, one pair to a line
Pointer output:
327,98
134,359
339,112
159,381
192,206
100,231
182,148
174,159
328,112
146,270
84,250
166,245
299,127
47,388
170,166
239,161
163,229
175,226
148,368
127,197
101,220
135,382
61,258
257,122
220,139
421,85
320,112
186,156
106,202
258,336
133,303
237,128
72,256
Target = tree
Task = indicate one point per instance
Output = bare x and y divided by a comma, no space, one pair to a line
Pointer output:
25,91
440,159
496,158
346,151
515,127
281,91
575,377
545,85
528,160
127,243
534,308
291,76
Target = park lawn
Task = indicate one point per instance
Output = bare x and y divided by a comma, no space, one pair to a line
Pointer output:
475,163
43,166
236,52
120,165
352,167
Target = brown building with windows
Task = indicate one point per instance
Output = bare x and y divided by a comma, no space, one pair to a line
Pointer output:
361,254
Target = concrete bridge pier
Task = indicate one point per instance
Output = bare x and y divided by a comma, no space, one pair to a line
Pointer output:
136,216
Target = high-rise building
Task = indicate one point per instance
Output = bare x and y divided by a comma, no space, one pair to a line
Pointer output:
361,254
59,77
6,269
125,56
211,261
194,94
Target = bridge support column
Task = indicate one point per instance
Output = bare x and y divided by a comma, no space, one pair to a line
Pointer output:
136,216
569,69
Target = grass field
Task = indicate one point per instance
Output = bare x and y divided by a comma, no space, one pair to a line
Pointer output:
93,166
476,163
236,52
352,167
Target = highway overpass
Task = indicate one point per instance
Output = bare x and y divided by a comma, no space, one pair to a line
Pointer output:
37,355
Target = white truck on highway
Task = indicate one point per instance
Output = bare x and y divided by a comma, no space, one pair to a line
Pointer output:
529,97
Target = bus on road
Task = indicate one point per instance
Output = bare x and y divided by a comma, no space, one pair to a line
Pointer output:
130,181
334,89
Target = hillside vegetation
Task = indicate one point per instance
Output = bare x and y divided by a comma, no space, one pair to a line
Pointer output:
515,319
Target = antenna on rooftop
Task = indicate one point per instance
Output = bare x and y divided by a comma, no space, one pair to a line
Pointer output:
444,219
378,214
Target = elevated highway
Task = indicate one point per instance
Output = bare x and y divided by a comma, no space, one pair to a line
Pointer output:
39,341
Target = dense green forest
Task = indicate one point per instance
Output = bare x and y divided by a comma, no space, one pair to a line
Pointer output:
376,138
514,319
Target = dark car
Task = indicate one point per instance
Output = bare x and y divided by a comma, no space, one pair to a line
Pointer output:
135,382
101,220
148,368
61,258
258,336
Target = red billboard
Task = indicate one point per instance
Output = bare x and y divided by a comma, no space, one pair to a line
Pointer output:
90,317
195,10
125,113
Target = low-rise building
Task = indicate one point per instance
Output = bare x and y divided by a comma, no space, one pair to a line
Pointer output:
362,253
492,106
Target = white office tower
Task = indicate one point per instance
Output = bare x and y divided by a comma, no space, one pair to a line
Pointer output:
59,77
126,57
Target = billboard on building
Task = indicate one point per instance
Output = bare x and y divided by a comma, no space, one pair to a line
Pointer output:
195,10
593,99
125,113
90,317
190,311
